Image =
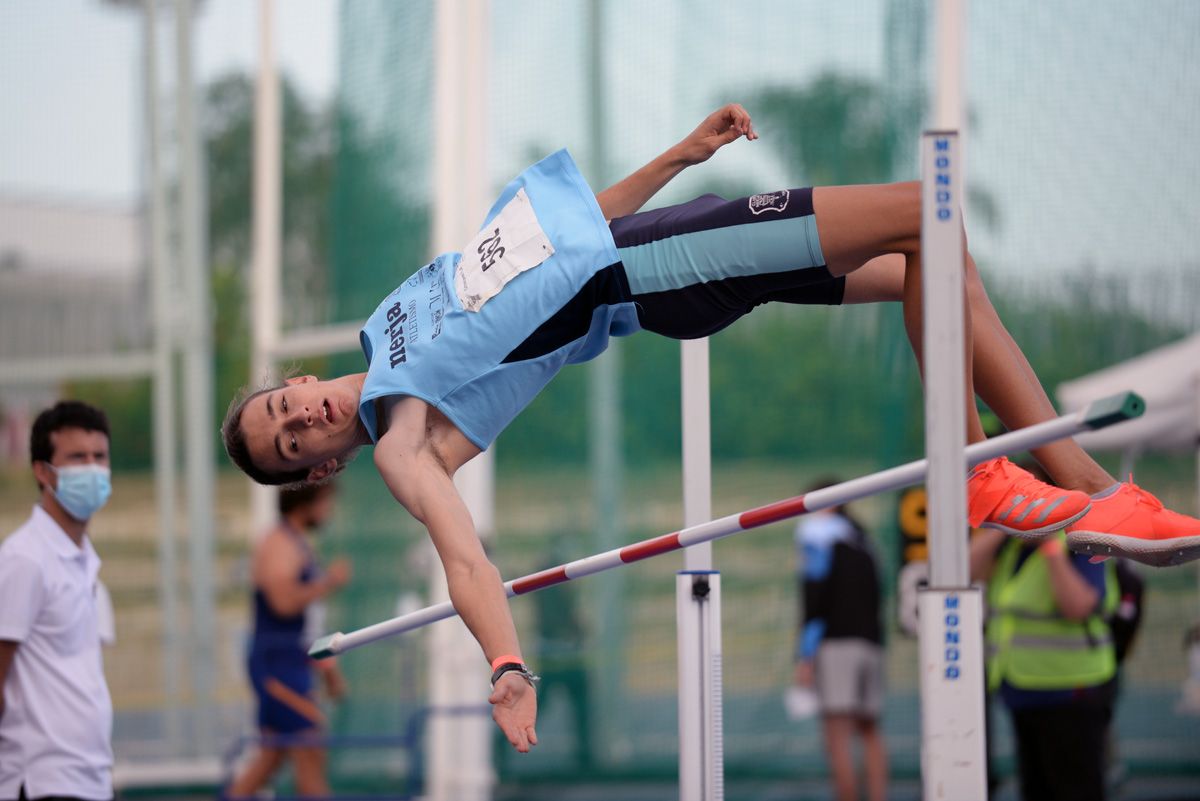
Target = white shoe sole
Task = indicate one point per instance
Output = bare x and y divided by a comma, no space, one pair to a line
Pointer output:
1157,553
1036,534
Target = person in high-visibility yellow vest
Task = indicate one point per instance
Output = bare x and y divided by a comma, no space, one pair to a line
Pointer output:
1051,659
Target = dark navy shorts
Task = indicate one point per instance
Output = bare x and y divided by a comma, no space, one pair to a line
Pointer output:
282,682
694,268
690,270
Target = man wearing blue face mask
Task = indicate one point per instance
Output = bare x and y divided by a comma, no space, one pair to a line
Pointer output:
55,710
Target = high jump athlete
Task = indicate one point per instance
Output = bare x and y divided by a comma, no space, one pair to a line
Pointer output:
466,342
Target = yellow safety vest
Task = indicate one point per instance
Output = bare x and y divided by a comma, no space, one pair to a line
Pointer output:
1030,644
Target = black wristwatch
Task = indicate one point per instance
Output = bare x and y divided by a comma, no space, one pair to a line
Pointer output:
515,667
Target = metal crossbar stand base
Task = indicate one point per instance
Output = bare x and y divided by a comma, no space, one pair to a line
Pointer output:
701,744
950,626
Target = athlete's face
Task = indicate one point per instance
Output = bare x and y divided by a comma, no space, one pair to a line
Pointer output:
304,425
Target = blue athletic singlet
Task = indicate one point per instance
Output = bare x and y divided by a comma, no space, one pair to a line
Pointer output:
421,341
278,655
546,282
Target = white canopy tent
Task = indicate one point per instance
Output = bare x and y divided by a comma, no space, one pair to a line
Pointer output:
1169,379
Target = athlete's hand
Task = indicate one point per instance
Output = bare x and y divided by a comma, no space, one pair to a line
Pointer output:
514,708
718,129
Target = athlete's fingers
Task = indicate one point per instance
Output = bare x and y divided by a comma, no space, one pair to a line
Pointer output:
532,735
512,731
742,116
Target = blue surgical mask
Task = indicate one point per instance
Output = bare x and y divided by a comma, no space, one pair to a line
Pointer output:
83,489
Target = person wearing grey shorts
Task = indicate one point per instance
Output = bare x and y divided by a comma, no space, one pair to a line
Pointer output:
839,652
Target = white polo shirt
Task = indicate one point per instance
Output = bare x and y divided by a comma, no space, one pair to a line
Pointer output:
56,733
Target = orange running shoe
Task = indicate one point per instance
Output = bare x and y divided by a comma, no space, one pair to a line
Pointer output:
1005,497
1133,523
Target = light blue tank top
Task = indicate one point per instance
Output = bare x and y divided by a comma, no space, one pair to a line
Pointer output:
420,341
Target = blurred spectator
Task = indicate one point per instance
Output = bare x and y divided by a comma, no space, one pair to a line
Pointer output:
287,588
1051,658
55,710
840,649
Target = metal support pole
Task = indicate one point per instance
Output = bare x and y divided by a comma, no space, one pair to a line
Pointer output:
163,378
953,760
945,375
606,466
698,611
701,750
697,445
198,382
267,236
1196,396
458,762
949,631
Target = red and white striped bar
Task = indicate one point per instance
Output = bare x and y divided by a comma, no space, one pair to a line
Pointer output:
1099,414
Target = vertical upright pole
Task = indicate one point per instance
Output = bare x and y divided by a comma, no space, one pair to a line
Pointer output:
1196,396
945,376
604,415
164,412
459,755
953,762
698,600
267,235
697,446
950,611
1197,401
198,382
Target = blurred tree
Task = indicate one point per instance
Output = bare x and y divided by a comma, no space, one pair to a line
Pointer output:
127,404
843,129
381,218
307,163
349,234
834,130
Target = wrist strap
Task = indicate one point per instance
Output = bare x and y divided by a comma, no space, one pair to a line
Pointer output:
500,660
519,669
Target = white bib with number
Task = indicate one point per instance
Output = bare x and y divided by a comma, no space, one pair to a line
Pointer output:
511,244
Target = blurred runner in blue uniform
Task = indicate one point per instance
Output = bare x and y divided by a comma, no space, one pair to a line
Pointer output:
288,587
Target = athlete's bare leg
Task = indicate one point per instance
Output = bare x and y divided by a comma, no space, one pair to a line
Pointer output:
859,223
1003,377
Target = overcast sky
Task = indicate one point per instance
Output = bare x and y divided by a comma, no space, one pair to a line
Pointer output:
71,91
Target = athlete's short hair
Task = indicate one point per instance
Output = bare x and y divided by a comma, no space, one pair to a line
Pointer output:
234,438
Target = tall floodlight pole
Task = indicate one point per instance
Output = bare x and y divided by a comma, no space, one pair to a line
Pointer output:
198,383
606,464
267,233
953,761
459,755
698,598
164,412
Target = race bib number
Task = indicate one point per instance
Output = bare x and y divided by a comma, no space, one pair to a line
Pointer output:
510,244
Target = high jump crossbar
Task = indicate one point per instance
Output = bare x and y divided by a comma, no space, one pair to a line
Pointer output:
1099,414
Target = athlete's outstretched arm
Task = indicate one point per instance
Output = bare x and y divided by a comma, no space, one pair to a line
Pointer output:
718,129
421,482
